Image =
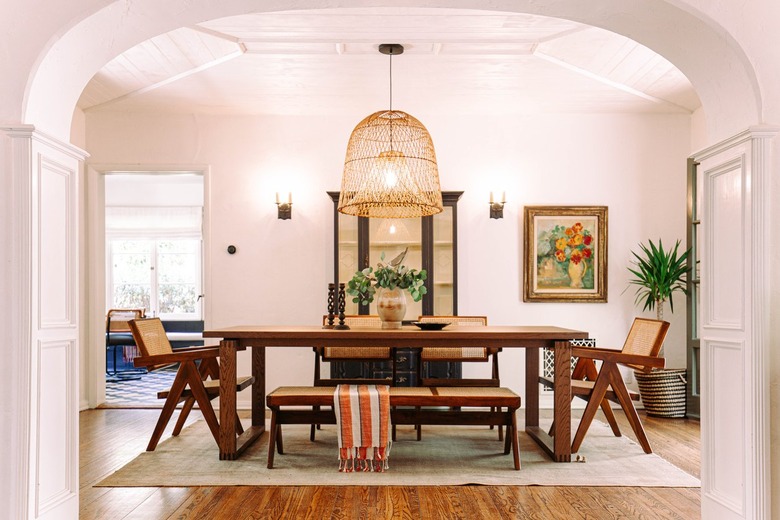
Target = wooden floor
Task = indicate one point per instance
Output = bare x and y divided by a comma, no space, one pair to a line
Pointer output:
111,438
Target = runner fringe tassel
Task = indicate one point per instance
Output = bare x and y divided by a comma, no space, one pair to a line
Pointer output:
356,459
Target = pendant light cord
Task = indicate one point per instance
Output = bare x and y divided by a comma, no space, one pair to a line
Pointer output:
391,81
391,101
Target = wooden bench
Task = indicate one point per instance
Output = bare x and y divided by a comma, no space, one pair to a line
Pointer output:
447,401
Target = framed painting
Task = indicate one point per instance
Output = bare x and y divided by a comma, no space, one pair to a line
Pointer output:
565,254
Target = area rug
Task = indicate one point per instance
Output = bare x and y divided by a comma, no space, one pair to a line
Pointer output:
140,392
444,456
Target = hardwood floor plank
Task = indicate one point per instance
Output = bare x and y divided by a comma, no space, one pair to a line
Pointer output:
257,503
320,505
480,495
341,508
116,503
516,502
398,502
686,502
454,502
206,502
161,504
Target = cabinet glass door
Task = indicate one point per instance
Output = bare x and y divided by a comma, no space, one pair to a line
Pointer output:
348,255
443,263
432,243
391,237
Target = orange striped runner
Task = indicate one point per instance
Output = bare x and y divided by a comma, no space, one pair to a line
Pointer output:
363,425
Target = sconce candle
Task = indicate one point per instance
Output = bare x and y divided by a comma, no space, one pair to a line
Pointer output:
493,197
284,206
497,206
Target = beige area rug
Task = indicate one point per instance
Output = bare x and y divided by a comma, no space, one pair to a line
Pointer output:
445,456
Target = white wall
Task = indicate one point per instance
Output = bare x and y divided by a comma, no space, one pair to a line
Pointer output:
633,164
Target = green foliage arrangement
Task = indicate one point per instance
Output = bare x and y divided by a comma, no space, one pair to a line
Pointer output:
391,275
659,274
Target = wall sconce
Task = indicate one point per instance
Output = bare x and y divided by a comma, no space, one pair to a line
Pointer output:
284,206
497,205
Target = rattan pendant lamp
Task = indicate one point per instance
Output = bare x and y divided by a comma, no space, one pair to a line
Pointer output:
390,169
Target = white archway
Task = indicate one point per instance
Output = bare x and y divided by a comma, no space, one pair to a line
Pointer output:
716,66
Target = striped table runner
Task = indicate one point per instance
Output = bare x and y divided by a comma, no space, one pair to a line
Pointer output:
363,425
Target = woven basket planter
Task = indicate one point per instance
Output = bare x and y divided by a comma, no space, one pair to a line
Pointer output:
663,392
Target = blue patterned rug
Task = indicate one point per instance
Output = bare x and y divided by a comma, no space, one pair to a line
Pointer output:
140,392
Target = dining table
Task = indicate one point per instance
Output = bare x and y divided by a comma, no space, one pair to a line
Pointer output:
532,338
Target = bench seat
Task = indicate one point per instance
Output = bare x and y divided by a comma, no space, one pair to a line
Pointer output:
447,401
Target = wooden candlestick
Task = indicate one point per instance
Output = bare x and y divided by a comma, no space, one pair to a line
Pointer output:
331,305
342,305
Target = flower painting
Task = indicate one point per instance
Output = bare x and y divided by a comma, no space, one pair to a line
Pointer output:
565,257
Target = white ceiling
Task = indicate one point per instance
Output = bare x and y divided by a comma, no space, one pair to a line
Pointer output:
327,62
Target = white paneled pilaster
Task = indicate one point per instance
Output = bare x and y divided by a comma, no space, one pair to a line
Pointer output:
734,339
44,253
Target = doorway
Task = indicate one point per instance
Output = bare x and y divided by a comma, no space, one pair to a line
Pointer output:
153,266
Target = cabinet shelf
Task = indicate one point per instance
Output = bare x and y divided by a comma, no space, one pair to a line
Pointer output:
376,244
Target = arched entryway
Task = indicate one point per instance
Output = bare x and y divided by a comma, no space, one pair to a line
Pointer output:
718,70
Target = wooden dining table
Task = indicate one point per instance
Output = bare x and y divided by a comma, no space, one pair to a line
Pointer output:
531,338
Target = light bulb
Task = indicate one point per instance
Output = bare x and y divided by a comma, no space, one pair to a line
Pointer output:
391,165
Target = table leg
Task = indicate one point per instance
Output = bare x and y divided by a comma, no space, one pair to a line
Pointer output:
558,447
227,399
531,388
258,389
562,402
231,446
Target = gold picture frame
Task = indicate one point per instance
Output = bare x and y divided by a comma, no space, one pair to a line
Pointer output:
565,254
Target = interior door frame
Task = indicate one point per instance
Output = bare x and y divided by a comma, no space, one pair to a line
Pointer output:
93,343
693,343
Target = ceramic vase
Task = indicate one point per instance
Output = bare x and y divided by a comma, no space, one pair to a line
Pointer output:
391,307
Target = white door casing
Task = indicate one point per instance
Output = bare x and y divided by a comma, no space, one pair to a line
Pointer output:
734,327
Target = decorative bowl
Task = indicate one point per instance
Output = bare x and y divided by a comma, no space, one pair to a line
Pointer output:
430,325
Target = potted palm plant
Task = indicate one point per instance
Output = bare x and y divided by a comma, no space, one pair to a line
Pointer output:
658,274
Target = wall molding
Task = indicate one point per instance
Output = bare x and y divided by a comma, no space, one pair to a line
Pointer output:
712,318
710,482
70,486
70,268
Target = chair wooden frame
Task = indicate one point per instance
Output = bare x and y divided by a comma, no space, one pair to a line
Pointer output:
456,354
640,351
196,381
331,354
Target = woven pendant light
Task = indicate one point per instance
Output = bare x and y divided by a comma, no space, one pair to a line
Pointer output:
390,169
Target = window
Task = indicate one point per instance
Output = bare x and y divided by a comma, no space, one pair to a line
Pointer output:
154,260
162,276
